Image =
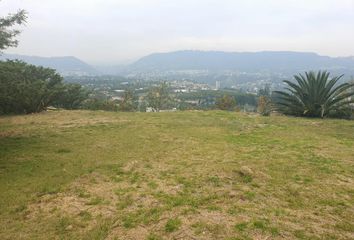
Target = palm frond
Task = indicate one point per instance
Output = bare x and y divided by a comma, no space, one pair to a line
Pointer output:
314,94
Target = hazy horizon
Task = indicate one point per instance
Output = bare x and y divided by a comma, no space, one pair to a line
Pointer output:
127,62
117,32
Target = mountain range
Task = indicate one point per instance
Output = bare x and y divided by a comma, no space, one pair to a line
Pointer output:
213,61
283,61
64,65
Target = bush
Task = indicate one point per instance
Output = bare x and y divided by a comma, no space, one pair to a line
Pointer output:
158,97
226,102
315,95
26,88
128,104
264,106
99,104
71,96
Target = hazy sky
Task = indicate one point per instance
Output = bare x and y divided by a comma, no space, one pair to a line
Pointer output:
115,31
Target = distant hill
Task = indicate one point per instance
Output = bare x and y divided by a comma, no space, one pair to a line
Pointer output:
64,65
212,61
242,61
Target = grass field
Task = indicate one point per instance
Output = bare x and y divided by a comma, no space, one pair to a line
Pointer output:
182,175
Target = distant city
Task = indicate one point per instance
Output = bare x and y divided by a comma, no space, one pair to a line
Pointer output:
189,71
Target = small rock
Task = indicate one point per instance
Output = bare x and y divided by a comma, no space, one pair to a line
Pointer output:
232,194
68,228
246,171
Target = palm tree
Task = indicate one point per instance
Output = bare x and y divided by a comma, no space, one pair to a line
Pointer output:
315,95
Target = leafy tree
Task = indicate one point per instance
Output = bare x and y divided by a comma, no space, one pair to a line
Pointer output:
264,106
206,99
128,102
26,88
100,104
71,96
158,97
265,91
315,95
226,102
7,34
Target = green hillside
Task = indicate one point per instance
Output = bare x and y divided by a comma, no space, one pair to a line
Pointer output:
180,175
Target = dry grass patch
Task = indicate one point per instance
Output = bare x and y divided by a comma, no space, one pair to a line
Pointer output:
182,175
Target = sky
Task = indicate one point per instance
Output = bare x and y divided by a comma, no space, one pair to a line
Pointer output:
120,31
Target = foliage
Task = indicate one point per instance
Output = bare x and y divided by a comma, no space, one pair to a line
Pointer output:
7,34
158,97
226,102
128,104
264,106
265,91
27,88
315,95
206,99
173,225
71,96
100,104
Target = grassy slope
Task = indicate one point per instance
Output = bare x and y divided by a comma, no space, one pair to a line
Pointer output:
190,175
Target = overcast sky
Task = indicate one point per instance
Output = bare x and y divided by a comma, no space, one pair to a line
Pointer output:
116,31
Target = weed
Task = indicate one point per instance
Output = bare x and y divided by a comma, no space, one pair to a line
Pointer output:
173,225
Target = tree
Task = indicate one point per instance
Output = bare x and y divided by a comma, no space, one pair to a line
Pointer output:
264,105
315,95
264,91
226,102
128,102
26,88
158,97
7,34
71,96
100,104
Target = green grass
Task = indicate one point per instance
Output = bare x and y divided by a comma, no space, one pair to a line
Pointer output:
201,175
173,225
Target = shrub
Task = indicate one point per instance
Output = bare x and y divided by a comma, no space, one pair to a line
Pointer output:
226,102
315,95
26,88
264,106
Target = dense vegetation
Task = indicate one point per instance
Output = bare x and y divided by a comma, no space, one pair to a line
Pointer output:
211,99
316,95
192,175
27,89
226,102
